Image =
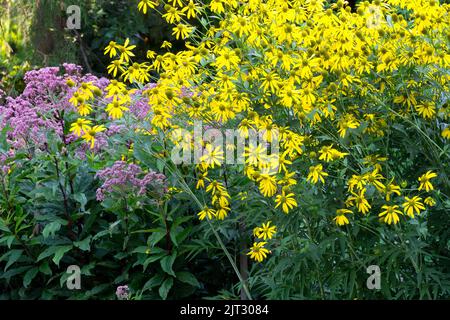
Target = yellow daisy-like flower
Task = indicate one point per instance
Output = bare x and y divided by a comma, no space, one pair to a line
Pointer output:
413,204
144,5
360,201
316,173
266,231
340,218
429,201
81,125
267,184
126,51
112,49
426,110
425,181
446,133
115,109
166,44
84,109
390,214
181,31
89,136
286,201
258,252
212,156
206,212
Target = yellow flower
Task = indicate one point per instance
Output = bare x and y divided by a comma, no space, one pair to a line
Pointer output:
201,180
227,59
84,109
111,49
360,201
206,212
425,181
266,231
426,110
172,15
115,109
126,51
151,54
166,44
340,218
391,188
267,184
215,187
222,213
327,153
316,173
191,9
412,205
181,31
374,178
390,214
81,125
356,181
255,156
145,4
429,201
258,252
446,133
212,156
286,201
216,6
115,66
89,136
348,121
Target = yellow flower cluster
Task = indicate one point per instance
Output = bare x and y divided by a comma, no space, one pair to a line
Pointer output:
291,70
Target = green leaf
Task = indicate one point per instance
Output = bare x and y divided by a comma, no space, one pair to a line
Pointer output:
3,226
51,229
154,281
45,268
60,253
165,288
188,278
57,251
29,276
167,263
13,256
84,245
81,199
12,272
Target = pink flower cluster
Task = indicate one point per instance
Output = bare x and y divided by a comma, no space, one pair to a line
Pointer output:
39,108
122,175
123,292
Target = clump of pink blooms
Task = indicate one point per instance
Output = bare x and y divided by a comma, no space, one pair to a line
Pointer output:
40,107
124,176
123,292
